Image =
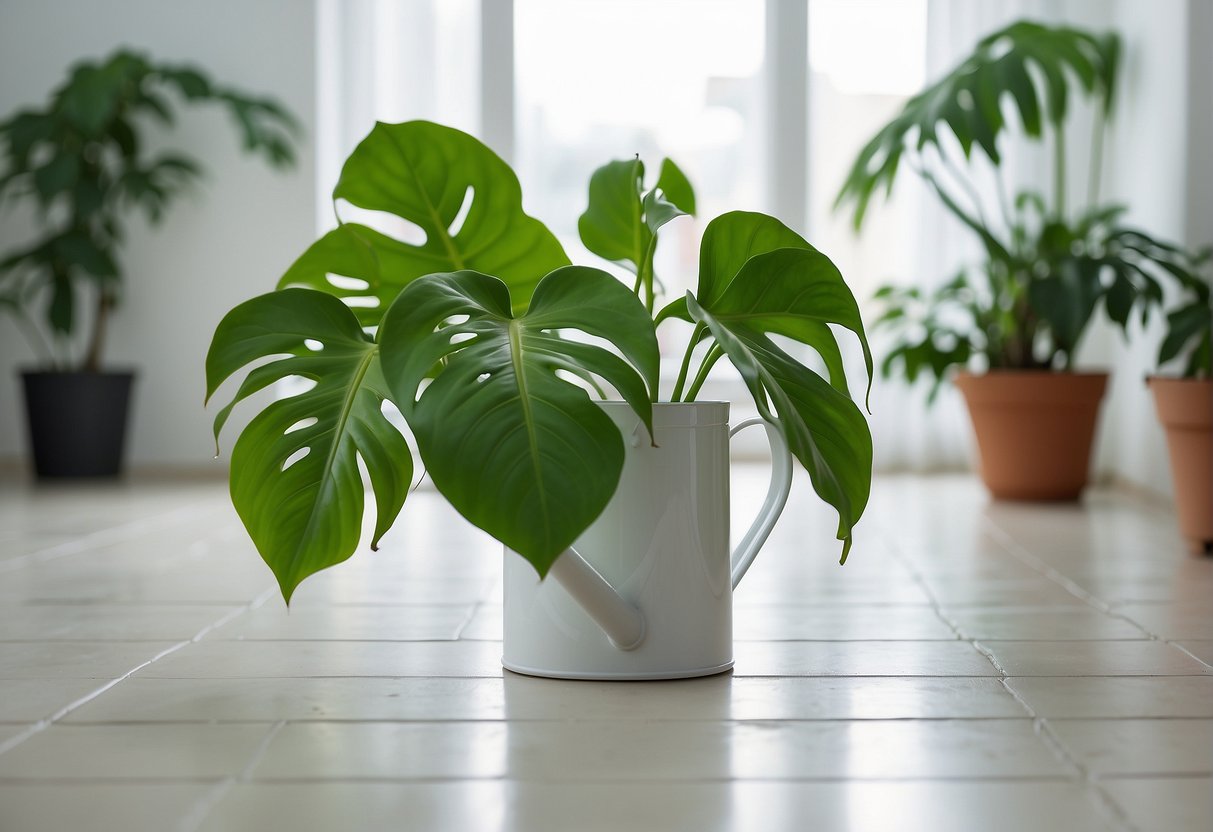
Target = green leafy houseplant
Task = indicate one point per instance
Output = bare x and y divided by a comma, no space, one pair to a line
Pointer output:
1048,268
80,160
490,343
1190,324
1184,405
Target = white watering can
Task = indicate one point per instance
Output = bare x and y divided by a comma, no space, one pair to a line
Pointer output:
647,591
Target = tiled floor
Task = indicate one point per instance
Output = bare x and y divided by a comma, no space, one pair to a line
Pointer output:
975,666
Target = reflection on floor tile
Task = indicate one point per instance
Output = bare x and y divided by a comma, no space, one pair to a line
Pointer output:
647,751
1139,746
1165,804
973,666
1123,697
860,658
347,622
31,700
1173,621
111,807
1041,624
941,806
1094,658
264,659
131,752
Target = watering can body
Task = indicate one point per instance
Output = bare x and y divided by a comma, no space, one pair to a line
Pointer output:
646,592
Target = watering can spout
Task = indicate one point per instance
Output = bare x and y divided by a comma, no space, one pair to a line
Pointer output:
622,622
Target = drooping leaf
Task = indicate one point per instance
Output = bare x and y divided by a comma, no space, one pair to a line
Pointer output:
428,175
824,429
304,513
1067,299
1186,324
1035,67
519,451
757,277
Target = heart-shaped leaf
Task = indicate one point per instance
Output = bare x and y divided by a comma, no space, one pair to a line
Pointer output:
463,196
519,451
294,478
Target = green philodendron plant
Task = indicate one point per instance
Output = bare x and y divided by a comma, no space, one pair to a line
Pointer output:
489,343
81,160
1190,324
1047,270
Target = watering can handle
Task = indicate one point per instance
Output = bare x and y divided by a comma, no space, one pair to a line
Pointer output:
772,506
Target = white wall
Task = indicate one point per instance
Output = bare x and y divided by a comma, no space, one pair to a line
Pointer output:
1159,164
226,242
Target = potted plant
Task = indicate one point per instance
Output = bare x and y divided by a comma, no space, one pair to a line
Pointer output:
1185,408
494,348
1010,327
80,162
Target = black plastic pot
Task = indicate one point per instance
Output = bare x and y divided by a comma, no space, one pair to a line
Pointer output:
77,422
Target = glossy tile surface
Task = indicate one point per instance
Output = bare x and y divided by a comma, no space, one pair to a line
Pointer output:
974,666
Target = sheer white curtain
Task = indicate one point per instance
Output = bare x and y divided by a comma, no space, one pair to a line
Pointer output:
399,59
908,434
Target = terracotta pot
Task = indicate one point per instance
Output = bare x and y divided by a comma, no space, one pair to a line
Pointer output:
1034,430
1185,408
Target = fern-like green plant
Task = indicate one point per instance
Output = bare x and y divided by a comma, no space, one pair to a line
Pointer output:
81,161
1048,267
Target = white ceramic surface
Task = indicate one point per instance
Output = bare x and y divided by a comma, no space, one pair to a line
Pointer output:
647,591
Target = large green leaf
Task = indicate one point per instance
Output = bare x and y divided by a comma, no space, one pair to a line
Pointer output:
824,429
428,175
729,241
1033,66
307,515
757,277
796,293
521,452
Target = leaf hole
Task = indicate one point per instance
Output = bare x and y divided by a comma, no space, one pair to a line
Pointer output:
313,345
301,424
295,457
483,377
360,301
385,222
462,214
454,320
340,281
462,337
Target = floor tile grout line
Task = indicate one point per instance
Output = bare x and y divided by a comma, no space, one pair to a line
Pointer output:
42,724
1017,550
467,622
1063,752
198,813
1014,548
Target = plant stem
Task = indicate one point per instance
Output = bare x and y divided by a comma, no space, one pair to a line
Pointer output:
92,359
1059,169
708,361
1097,137
686,362
1004,206
965,185
644,275
44,350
